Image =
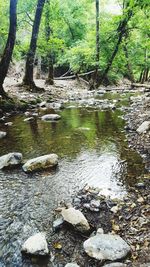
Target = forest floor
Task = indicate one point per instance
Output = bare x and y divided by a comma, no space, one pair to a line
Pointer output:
131,218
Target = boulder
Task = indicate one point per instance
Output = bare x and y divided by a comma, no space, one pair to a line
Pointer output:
72,265
36,245
2,134
106,247
42,162
76,218
51,117
115,264
145,126
10,160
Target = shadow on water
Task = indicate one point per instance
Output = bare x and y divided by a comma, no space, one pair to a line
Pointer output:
92,149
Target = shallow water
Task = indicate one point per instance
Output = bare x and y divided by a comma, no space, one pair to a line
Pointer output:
92,148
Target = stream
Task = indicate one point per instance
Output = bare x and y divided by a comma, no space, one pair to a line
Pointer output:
92,149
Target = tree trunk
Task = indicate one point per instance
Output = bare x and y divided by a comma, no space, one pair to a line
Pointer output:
48,32
121,30
50,79
7,55
129,67
38,68
97,34
94,78
28,78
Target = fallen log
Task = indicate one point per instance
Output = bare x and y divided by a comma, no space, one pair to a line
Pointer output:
140,85
74,76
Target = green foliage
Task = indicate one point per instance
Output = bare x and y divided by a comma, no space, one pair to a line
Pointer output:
72,35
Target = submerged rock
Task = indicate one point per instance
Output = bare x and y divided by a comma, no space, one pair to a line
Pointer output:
2,134
76,218
106,247
145,126
51,117
42,162
36,245
10,160
72,265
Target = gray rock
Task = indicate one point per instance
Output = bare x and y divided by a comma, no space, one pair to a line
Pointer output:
51,117
10,159
42,162
2,134
115,264
95,203
76,218
72,265
57,224
36,245
145,126
106,247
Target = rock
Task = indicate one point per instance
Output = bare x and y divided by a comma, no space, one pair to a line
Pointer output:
29,119
115,264
76,218
42,162
95,203
72,265
42,104
115,209
106,247
8,123
100,231
51,117
10,159
2,134
145,126
36,245
57,224
140,185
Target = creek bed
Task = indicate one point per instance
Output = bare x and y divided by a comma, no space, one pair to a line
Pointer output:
92,149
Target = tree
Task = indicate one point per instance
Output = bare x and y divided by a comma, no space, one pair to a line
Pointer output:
121,31
48,32
97,34
7,55
28,78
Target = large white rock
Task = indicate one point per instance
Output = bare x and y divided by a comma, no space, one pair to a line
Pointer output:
145,126
36,245
106,247
76,218
2,134
115,264
42,162
72,265
51,117
10,160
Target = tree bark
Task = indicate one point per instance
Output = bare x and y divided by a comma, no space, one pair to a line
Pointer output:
28,78
7,55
